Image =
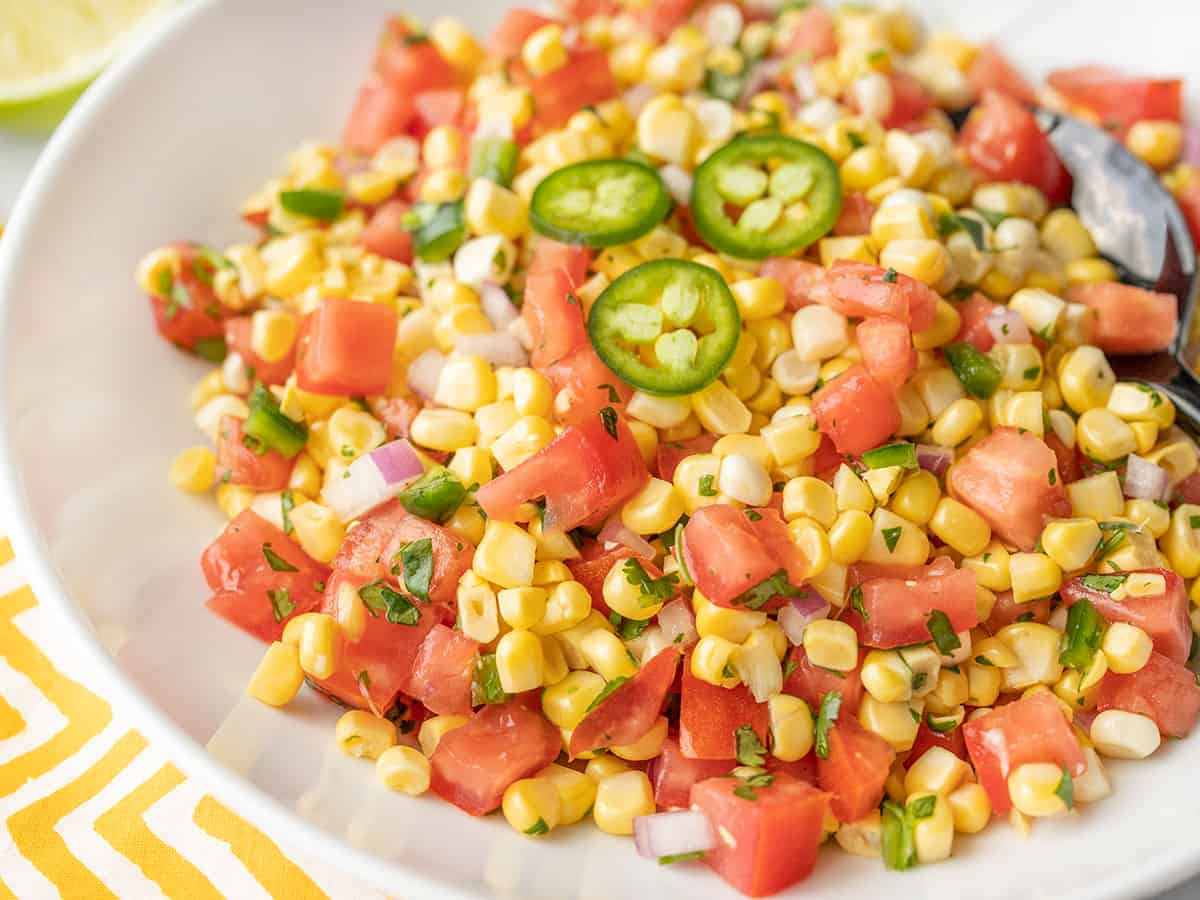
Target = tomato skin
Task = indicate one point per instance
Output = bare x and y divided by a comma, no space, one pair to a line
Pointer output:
910,102
710,714
813,34
238,464
888,351
1002,140
725,553
238,340
1118,100
811,683
625,715
974,312
589,384
898,608
856,768
509,36
380,113
592,572
1032,729
671,453
1006,478
1128,319
442,671
673,775
1069,465
1164,617
927,737
661,17
991,71
410,66
855,411
1163,690
585,80
385,234
504,742
775,837
855,217
861,290
800,278
239,575
396,414
203,316
1006,611
345,348
555,322
583,473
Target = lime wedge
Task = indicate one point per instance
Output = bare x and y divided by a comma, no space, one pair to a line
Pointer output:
50,50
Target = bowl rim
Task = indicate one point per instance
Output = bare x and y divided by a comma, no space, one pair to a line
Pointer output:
279,822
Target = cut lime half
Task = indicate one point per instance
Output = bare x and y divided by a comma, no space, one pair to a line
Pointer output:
50,50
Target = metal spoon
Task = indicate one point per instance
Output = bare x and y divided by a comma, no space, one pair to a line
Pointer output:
1137,225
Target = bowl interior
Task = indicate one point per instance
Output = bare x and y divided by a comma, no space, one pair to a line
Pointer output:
166,147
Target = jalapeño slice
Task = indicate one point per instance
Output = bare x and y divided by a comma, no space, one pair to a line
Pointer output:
765,195
599,203
667,327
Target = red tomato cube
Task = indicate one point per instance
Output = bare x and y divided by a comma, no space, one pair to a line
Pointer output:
727,552
801,280
550,309
673,775
380,113
811,682
385,234
346,348
1163,690
1003,141
855,411
1118,100
888,351
238,463
625,715
1164,616
709,715
974,312
443,670
991,71
856,768
1128,319
238,332
898,609
861,290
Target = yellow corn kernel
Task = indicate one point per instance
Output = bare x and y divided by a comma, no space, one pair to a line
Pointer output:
466,383
811,497
924,259
1086,379
1157,142
856,248
193,470
1103,436
720,411
566,702
1033,789
946,324
1145,434
887,676
937,771
318,529
711,661
1137,402
917,497
654,509
667,130
272,333
527,436
466,523
1149,516
696,479
506,554
983,684
813,542
403,769
568,604
1097,496
620,798
316,639
851,492
759,298
531,806
1036,648
900,221
991,567
891,721
434,729
624,596
455,43
896,541
477,612
491,208
1034,575
443,429
520,662
791,727
359,733
957,422
602,767
1064,235
648,746
792,439
532,395
970,807
606,653
1178,457
278,677
543,51
849,536
444,186
1090,271
493,420
1126,647
1071,542
550,572
831,644
933,835
960,527
522,607
732,625
864,168
1181,543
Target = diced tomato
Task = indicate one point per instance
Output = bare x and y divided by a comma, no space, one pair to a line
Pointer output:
1003,141
826,460
1011,479
592,572
974,312
625,715
1188,490
473,765
991,71
240,575
1164,690
673,775
380,113
910,101
773,838
661,17
583,473
585,80
805,768
442,671
396,414
671,453
440,107
888,351
375,669
1118,100
856,768
1069,466
1128,319
855,411
346,347
509,36
1163,616
1033,729
554,318
1006,610
811,682
862,290
799,278
239,464
238,340
855,217
385,234
1188,199
578,10
898,609
409,65
370,548
727,553
194,313
813,34
588,382
927,737
709,715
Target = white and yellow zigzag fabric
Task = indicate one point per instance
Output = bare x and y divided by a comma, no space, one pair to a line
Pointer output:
88,810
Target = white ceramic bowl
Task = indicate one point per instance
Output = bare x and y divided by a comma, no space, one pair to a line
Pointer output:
165,146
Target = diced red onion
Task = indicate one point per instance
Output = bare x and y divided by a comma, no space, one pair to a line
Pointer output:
1084,718
1007,326
424,372
372,479
802,612
934,458
672,833
1191,145
496,306
677,623
1144,480
762,76
498,347
637,97
678,183
616,532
